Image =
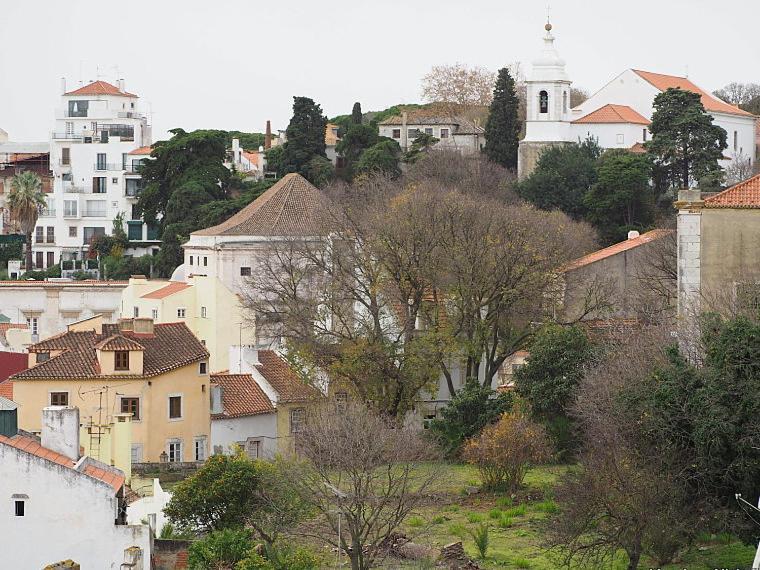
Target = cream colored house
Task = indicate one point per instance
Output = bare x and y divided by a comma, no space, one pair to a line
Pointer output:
211,311
158,373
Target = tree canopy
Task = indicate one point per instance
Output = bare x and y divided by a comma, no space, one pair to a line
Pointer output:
305,140
503,126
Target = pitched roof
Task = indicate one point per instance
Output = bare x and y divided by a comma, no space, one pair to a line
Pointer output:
614,114
100,88
7,404
616,248
118,342
142,150
710,102
638,148
171,346
89,468
170,289
426,117
743,195
292,207
241,396
281,377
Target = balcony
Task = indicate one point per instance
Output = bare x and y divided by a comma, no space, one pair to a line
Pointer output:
132,168
67,136
74,189
47,213
133,192
94,213
111,167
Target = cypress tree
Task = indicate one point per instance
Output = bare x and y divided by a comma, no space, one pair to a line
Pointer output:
356,114
305,136
503,126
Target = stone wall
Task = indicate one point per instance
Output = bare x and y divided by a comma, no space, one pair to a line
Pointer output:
170,554
528,153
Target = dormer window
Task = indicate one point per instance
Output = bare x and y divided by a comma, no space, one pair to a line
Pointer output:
42,357
543,102
121,360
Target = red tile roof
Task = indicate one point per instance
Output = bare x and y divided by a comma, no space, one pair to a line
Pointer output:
616,249
33,447
6,389
743,195
142,150
614,114
710,102
170,289
283,379
241,396
100,88
119,342
638,148
171,346
292,207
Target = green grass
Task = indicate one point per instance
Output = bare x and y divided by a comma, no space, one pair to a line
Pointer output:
475,517
494,514
545,506
505,522
415,522
504,502
518,511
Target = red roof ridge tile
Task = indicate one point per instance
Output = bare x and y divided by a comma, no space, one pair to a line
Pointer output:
169,289
745,194
613,113
100,87
614,249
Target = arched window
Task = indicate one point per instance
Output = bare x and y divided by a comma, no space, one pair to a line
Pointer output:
543,102
564,102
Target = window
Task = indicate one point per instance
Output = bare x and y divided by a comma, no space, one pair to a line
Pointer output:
135,312
154,314
137,452
341,401
134,230
32,323
42,357
175,451
121,360
65,156
131,405
191,260
59,398
69,208
100,161
50,258
200,448
38,260
78,109
444,133
181,313
297,419
90,233
620,138
245,271
202,367
134,186
396,133
413,133
175,407
543,102
50,234
95,208
204,312
205,261
429,131
736,140
19,508
644,134
98,184
72,231
252,448
39,234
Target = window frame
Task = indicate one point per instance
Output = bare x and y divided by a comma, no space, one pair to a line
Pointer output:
203,440
121,360
444,133
396,134
179,447
169,399
181,312
52,393
245,271
19,503
135,414
300,422
203,367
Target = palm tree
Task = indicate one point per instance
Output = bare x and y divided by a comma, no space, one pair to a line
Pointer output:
25,201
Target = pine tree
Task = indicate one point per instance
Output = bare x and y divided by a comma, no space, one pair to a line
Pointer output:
305,137
503,126
356,114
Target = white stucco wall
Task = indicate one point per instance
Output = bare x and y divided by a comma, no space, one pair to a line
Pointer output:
610,135
67,516
150,505
228,432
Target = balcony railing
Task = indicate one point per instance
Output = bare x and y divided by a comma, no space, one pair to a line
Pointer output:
132,168
133,192
94,214
47,213
67,136
73,189
111,166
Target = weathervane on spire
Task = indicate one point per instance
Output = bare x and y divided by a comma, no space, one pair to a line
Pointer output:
548,26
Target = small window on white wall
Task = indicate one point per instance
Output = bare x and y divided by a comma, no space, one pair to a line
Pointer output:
620,139
204,312
154,314
181,313
644,134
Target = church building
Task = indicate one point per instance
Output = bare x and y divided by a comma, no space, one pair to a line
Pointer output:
617,115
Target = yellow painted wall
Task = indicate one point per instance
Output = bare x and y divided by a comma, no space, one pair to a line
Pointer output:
285,439
110,443
154,427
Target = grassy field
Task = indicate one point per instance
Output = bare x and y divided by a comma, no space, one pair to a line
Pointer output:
516,526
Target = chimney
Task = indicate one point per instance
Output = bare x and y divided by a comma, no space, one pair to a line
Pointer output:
126,325
216,399
404,137
633,234
60,430
142,325
268,136
63,85
120,84
121,444
243,359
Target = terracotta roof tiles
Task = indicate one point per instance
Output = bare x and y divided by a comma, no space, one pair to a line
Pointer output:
292,207
118,342
143,150
281,377
614,114
171,346
241,396
100,88
170,289
710,102
743,195
616,249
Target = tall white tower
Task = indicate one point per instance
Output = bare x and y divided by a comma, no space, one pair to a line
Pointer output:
548,106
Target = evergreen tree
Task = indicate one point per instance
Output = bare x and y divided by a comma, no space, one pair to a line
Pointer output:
686,145
305,137
356,114
503,126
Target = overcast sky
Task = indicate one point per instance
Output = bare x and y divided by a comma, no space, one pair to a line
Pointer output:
233,64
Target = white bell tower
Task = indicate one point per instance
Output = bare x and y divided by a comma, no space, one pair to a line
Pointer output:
547,120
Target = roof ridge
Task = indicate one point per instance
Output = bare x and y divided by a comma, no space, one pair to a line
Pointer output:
282,206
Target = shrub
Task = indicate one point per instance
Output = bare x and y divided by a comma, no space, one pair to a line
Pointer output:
505,522
547,506
279,557
504,451
480,537
494,513
220,549
415,522
517,511
474,517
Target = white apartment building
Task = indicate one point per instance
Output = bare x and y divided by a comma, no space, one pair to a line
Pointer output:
94,175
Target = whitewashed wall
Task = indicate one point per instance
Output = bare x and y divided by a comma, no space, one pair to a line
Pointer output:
228,432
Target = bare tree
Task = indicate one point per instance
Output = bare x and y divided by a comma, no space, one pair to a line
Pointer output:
738,93
577,96
656,273
739,170
459,85
363,476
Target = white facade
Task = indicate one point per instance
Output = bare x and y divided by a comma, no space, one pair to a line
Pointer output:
49,306
451,134
151,506
95,129
226,433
